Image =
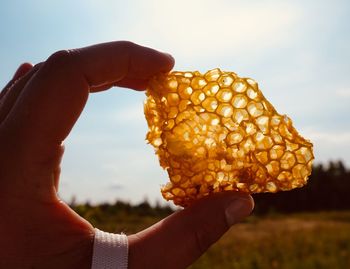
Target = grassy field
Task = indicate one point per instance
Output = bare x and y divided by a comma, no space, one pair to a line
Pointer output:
294,241
302,241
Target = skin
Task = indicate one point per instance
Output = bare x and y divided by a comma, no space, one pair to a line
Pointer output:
38,109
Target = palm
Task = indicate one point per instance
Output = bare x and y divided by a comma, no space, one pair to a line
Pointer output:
40,229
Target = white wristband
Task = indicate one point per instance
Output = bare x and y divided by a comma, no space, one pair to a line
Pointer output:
110,251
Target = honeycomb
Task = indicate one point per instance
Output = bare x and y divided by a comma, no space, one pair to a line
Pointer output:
215,132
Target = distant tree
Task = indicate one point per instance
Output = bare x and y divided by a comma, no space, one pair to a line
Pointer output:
327,189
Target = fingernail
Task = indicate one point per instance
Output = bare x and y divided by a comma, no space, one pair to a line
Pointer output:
238,209
169,56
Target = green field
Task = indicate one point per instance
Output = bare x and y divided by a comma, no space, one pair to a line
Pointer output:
293,241
301,241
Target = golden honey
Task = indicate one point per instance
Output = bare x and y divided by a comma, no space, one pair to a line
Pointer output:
216,131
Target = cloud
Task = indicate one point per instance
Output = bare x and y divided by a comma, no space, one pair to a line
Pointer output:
131,114
335,138
199,27
330,145
115,186
345,93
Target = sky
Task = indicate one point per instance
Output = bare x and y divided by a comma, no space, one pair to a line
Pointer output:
297,50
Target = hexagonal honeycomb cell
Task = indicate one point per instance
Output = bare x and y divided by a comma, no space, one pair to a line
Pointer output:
216,132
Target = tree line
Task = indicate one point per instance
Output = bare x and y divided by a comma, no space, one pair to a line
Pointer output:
328,189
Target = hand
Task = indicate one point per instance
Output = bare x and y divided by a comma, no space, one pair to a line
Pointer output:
38,109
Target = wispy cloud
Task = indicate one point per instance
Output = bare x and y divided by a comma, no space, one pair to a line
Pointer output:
199,27
115,186
131,114
345,92
329,137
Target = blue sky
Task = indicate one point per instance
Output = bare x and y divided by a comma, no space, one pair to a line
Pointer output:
298,51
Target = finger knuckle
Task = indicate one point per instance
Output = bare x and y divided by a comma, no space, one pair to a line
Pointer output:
60,58
127,44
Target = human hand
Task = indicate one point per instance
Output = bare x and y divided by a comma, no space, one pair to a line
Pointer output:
38,109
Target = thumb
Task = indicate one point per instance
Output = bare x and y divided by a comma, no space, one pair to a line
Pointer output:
180,239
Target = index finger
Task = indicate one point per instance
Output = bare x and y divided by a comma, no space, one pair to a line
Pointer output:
127,62
53,99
